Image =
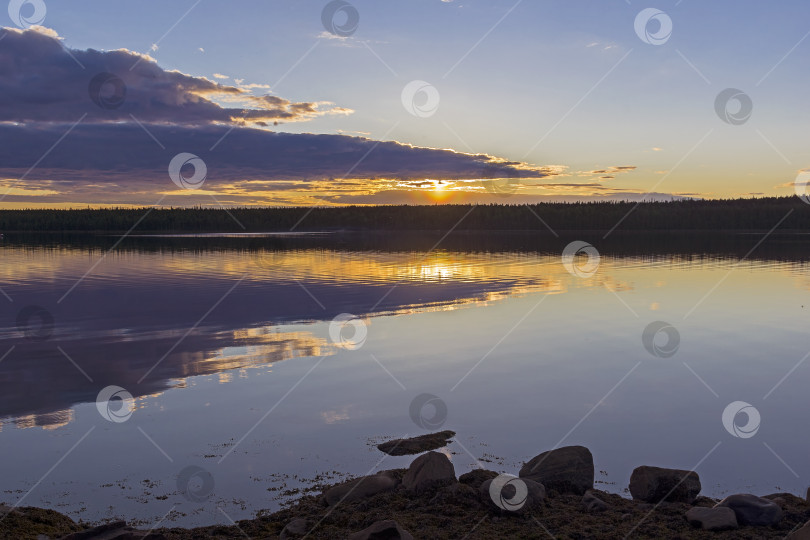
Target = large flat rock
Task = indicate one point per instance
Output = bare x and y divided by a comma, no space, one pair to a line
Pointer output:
416,445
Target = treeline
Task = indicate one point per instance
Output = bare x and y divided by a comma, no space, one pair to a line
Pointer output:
717,215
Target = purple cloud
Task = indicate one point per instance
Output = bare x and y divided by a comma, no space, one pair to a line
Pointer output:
42,81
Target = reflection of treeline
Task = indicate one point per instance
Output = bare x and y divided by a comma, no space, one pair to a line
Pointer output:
738,214
687,245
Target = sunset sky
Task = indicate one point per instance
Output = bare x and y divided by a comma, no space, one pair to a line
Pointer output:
285,103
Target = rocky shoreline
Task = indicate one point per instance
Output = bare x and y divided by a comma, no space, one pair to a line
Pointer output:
552,496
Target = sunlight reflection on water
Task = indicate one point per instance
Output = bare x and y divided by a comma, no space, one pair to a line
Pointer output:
202,378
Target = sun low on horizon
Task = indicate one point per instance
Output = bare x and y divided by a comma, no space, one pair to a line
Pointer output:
360,104
332,269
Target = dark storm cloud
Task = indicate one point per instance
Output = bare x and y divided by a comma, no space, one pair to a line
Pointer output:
42,81
104,152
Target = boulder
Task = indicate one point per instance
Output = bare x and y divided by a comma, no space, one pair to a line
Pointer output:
508,494
429,471
785,499
592,503
801,534
712,519
388,529
752,510
296,528
477,477
416,445
567,470
361,488
656,484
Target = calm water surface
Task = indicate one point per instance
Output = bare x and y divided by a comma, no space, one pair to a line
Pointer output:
225,345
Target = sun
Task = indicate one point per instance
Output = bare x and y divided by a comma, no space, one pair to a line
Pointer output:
440,191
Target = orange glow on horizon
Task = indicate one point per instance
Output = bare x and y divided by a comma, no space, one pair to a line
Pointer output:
440,192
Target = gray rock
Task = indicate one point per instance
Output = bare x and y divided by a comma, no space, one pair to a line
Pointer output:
656,484
429,471
296,528
515,496
712,519
477,477
752,510
567,470
388,530
416,445
361,488
801,534
592,503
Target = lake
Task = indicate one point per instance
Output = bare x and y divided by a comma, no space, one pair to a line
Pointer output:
192,380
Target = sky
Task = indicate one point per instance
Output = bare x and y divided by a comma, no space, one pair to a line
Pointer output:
420,102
